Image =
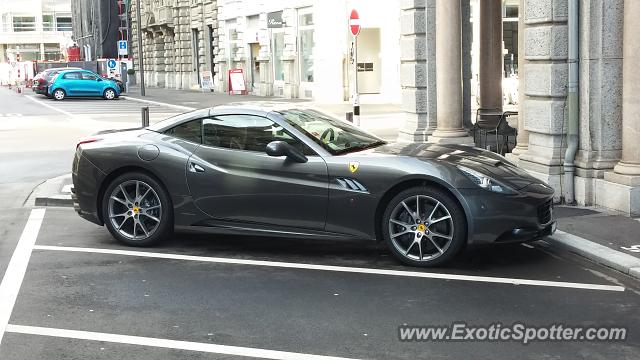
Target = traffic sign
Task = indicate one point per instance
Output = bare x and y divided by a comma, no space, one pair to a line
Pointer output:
111,64
354,23
122,47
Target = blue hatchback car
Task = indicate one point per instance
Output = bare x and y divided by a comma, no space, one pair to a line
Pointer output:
75,83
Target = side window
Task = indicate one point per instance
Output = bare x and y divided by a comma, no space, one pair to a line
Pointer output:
190,131
246,132
89,76
72,76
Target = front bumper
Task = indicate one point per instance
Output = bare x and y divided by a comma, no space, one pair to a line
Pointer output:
498,218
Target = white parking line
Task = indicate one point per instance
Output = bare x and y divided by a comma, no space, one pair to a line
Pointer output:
51,107
167,344
290,265
14,275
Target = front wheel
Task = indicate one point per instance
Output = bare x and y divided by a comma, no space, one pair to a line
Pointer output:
424,226
137,210
109,94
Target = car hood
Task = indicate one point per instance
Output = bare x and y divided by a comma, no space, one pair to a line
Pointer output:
483,161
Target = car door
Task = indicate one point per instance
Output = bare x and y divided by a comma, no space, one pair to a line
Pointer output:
90,84
232,178
72,83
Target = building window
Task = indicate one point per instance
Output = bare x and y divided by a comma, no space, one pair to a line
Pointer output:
24,23
278,48
47,23
305,34
63,24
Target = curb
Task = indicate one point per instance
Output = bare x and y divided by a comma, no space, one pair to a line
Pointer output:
52,192
595,252
179,107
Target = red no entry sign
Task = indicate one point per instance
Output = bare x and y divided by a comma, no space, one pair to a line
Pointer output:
354,23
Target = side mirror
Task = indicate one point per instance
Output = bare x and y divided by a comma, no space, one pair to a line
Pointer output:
282,148
99,79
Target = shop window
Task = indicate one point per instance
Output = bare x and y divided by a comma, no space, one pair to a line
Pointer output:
278,48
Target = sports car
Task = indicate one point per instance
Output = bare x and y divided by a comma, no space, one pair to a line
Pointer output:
292,171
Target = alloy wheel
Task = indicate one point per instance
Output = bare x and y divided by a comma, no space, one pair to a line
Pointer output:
58,94
421,228
135,209
109,94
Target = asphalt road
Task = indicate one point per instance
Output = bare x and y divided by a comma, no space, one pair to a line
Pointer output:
84,296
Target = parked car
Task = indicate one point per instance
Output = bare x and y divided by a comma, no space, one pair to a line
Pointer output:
83,83
41,80
297,172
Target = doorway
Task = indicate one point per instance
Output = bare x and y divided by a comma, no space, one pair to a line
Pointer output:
254,49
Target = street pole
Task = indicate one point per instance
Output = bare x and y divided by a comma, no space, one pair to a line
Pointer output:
140,57
356,97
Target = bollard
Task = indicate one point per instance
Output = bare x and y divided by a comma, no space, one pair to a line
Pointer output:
145,116
349,116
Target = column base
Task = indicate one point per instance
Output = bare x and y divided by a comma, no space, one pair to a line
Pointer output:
627,169
619,192
451,137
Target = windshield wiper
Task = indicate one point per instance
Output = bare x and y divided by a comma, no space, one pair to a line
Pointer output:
363,147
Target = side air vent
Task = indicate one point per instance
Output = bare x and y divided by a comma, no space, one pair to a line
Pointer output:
351,184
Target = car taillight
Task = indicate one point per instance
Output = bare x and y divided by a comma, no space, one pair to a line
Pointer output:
87,141
42,81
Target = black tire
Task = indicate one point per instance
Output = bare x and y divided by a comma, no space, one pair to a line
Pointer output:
457,229
110,94
165,225
58,94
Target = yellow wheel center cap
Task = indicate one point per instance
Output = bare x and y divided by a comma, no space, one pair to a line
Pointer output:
422,228
136,210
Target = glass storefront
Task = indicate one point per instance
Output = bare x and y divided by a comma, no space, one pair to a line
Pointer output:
278,48
305,34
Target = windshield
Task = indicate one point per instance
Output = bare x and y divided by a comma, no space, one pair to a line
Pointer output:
334,135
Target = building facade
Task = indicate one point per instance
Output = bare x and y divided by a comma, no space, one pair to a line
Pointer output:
303,49
34,30
606,169
179,39
97,26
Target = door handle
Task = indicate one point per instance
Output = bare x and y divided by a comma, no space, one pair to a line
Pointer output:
193,167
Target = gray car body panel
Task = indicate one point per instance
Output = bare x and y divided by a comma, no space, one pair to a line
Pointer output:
252,193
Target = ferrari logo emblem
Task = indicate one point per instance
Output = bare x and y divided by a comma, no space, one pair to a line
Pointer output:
353,166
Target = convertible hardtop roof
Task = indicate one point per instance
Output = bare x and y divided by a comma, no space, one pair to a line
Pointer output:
261,108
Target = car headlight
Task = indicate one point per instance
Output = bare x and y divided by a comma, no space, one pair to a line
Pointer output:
485,181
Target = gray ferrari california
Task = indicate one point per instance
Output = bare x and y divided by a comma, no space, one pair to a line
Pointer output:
297,172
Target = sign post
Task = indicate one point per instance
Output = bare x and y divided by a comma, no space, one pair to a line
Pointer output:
354,27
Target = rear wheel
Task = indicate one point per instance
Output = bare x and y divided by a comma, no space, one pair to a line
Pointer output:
109,94
137,210
424,226
59,94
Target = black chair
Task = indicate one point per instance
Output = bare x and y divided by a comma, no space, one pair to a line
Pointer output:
493,122
506,131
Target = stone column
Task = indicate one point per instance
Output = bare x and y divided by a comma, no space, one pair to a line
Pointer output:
449,75
491,54
630,162
620,189
418,69
523,135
